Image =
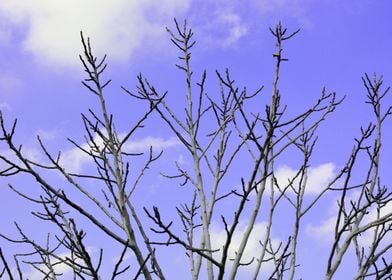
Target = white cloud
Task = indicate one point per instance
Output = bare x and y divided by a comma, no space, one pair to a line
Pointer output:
74,160
366,238
122,27
318,177
223,29
324,230
144,144
61,268
117,27
235,26
253,248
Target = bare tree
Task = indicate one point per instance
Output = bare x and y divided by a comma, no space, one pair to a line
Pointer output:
105,148
221,134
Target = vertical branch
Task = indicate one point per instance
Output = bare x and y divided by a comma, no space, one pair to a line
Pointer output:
267,149
94,70
306,147
184,43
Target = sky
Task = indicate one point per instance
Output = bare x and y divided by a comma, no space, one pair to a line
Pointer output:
40,75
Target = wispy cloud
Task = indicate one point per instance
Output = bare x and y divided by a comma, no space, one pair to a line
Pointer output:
318,177
117,27
218,24
253,248
324,230
60,268
122,27
235,27
157,143
73,160
367,238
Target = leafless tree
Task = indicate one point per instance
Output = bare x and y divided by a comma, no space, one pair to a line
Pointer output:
221,134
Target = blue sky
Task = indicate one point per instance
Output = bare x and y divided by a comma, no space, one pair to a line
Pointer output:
40,74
